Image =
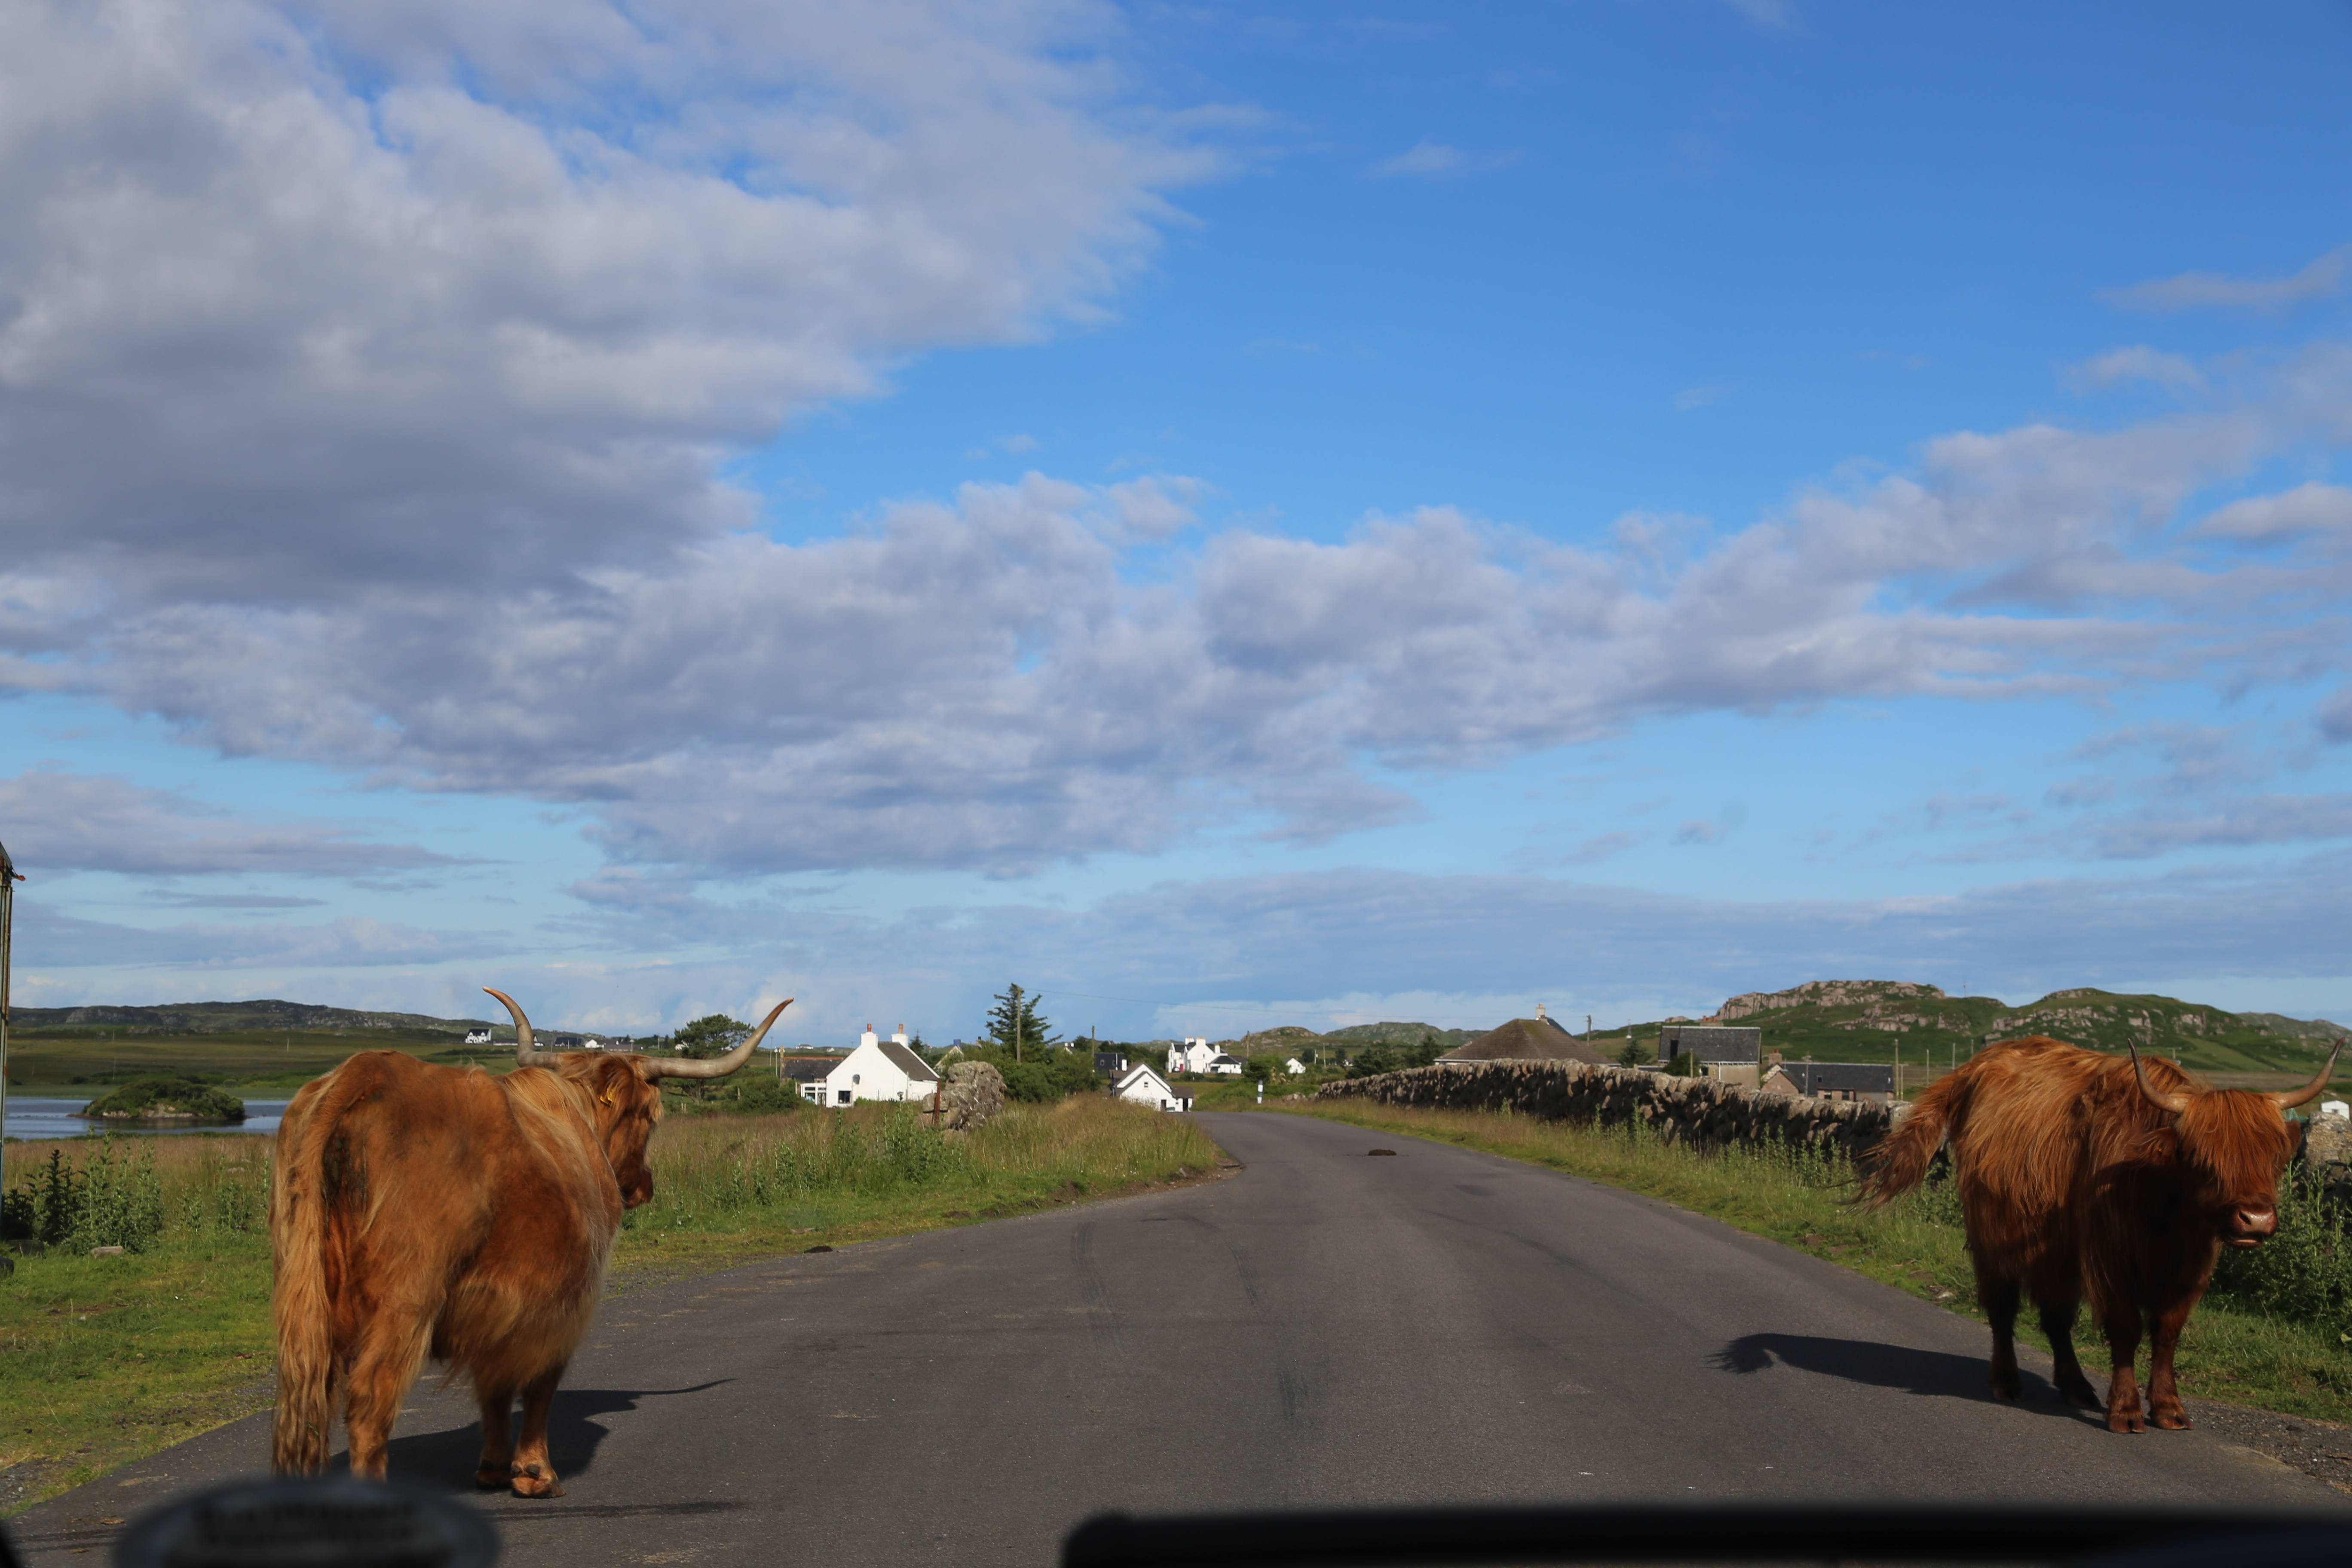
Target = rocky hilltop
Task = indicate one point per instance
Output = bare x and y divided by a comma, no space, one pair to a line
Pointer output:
1843,1020
1875,995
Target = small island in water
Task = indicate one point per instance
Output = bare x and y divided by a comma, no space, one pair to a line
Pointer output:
163,1100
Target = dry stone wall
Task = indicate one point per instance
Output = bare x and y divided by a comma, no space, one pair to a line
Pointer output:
1694,1110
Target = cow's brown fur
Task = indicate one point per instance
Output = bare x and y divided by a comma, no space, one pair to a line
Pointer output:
438,1211
2074,1182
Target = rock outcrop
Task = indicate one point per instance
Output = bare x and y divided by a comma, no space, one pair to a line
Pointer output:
971,1096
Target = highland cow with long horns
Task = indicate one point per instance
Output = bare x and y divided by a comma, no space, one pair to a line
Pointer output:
441,1213
2082,1175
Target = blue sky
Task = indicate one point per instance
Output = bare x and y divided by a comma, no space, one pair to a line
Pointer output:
1226,516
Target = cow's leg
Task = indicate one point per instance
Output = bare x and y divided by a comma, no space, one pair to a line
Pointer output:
533,1472
2123,1330
2058,1311
386,1363
2164,1406
497,1436
1998,1293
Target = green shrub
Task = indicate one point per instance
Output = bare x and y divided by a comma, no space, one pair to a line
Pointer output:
2303,1274
151,1097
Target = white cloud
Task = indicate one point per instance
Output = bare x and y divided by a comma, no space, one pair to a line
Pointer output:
49,940
81,822
1773,16
976,683
2309,508
2196,291
428,385
388,292
2140,363
1436,160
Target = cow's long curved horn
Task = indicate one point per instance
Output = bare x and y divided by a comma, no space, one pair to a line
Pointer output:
717,1066
2175,1103
524,1055
2289,1098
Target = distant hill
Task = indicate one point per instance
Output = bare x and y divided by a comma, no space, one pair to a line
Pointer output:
1874,1020
1402,1035
225,1018
2296,1028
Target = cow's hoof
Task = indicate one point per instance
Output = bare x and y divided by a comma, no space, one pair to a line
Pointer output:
492,1478
529,1481
2008,1393
2118,1422
2173,1420
2080,1395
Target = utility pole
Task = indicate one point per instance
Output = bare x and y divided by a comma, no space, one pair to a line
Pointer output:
8,880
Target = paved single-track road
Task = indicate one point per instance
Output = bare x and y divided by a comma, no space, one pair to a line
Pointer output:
1327,1328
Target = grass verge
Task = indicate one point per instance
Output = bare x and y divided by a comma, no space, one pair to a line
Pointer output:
106,1360
2229,1351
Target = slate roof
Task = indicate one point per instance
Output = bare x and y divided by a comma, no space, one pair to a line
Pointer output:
1526,1040
1710,1042
907,1061
809,1069
1846,1078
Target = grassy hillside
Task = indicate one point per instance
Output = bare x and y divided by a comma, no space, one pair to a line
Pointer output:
182,1019
256,1061
1872,1021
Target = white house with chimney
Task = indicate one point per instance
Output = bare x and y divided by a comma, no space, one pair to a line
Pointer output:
1140,1086
1199,1055
877,1069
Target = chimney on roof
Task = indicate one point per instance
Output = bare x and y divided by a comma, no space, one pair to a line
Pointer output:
1539,1012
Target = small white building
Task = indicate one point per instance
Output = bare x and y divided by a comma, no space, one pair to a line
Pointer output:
1141,1086
1294,1066
1192,1055
1199,1055
478,1037
877,1069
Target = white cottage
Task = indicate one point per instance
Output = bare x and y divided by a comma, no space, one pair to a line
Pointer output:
1141,1086
1192,1055
877,1070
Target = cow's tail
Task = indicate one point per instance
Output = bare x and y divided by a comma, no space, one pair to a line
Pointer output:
1901,1160
300,1297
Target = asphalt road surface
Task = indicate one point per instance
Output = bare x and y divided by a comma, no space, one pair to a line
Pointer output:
1325,1329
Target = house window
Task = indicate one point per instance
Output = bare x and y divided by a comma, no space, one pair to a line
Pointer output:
844,1096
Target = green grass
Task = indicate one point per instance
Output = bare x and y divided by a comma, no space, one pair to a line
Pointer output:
105,1360
2270,1334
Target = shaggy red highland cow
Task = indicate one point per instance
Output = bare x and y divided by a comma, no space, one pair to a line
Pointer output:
2084,1175
440,1212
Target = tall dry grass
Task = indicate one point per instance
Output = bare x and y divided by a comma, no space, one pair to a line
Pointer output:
133,1191
805,1166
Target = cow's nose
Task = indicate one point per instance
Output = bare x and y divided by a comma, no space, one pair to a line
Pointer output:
2257,1220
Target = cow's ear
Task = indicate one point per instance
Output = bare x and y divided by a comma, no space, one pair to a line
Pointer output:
613,1074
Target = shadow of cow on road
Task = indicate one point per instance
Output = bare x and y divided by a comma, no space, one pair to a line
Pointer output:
1937,1374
